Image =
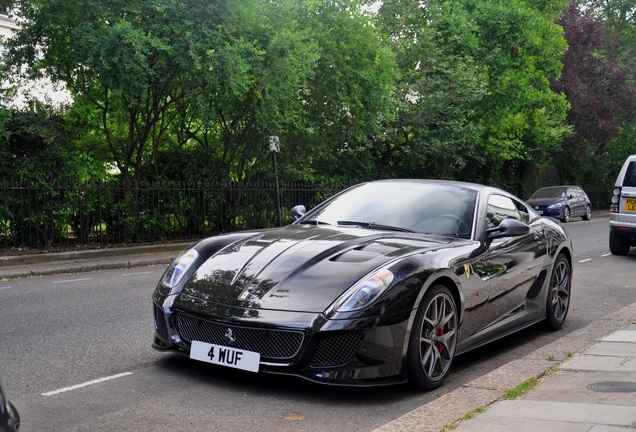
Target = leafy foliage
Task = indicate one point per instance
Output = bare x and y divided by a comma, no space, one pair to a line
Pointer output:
600,88
475,94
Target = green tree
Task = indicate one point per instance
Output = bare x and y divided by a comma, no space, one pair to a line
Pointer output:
249,83
119,57
609,85
348,97
483,69
598,87
169,75
434,128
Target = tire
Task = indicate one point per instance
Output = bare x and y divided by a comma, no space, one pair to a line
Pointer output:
565,217
558,302
588,213
619,245
433,339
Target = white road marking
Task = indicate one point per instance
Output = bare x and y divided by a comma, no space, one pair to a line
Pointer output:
135,274
71,280
585,260
3,288
97,381
607,254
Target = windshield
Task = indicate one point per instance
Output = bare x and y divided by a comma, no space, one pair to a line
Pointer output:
412,206
550,192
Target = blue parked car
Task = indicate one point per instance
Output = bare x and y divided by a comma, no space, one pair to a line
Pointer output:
562,202
9,418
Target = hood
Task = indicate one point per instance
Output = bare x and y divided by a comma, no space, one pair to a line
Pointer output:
544,202
298,268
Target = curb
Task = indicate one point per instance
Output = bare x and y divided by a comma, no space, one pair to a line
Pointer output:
46,258
79,267
22,266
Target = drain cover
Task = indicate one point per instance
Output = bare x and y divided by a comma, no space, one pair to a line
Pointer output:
613,387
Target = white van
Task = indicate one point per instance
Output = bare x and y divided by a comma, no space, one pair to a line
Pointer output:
623,210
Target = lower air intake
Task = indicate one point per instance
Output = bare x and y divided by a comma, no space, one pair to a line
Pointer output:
337,349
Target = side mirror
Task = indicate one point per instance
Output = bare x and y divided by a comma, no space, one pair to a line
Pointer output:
508,228
297,211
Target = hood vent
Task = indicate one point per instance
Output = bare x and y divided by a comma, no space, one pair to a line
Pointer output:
364,253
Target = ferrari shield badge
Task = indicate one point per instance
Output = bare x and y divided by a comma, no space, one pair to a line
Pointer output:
467,271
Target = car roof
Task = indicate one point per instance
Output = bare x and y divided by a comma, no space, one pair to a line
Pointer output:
467,185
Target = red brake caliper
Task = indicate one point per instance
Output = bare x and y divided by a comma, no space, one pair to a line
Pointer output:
439,332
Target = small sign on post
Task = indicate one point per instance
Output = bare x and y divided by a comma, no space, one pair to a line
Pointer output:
274,145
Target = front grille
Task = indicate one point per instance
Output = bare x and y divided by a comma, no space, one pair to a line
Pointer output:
271,344
160,324
337,349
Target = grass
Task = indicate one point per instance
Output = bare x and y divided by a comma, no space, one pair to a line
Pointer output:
521,389
515,393
467,416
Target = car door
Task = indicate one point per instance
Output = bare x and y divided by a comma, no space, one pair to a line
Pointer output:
579,202
570,196
513,263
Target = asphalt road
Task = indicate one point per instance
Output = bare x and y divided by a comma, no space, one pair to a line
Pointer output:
75,356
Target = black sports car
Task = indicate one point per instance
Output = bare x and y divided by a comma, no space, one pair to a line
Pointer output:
385,282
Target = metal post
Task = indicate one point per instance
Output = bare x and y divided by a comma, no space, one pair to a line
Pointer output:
274,148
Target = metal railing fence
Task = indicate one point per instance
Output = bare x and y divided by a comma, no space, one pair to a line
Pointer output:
105,214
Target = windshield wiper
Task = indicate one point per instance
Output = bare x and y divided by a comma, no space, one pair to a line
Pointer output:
373,225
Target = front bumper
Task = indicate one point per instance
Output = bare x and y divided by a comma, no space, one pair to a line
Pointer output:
553,213
360,352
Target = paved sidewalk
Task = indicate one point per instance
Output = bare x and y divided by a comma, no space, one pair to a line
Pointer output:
591,387
593,391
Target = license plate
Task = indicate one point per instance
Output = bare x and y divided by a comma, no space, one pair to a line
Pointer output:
225,356
630,204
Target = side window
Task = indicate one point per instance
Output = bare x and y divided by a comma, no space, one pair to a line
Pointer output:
630,175
501,207
524,213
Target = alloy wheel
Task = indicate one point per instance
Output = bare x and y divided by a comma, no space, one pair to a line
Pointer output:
438,336
560,290
566,214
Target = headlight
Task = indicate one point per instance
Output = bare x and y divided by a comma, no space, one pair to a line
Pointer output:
178,268
365,292
556,205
